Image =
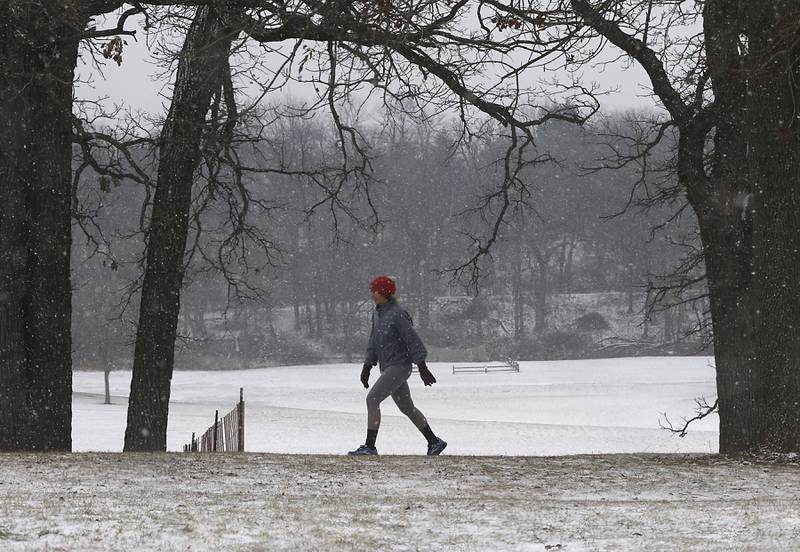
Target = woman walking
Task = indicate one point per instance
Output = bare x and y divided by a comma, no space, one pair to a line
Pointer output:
394,345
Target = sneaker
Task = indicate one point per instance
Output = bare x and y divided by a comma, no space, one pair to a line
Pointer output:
364,450
436,447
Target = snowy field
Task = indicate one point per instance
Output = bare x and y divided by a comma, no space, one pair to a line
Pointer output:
548,408
498,487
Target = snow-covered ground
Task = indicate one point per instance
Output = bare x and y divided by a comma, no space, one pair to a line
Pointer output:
407,502
262,502
548,408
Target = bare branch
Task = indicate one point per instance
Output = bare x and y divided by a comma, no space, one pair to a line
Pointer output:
703,409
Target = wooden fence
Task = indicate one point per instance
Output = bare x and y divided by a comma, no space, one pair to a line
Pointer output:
226,435
509,366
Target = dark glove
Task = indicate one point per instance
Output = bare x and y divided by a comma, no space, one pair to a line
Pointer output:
425,374
365,374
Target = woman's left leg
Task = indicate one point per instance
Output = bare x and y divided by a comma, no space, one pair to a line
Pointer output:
390,379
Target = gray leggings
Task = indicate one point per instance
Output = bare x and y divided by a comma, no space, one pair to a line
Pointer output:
393,381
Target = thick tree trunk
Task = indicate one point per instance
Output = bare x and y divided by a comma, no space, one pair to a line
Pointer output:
751,228
728,267
38,52
747,338
202,61
725,231
720,204
775,162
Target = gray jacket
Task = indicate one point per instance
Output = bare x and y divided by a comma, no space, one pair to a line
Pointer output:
393,339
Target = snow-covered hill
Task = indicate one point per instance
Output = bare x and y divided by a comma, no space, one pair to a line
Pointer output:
560,407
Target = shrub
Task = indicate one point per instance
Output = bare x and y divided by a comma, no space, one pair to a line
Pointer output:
591,321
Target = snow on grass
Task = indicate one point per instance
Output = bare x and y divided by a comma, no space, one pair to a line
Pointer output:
548,408
470,499
92,501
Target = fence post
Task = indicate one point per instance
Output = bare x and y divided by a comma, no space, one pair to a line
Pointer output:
216,429
240,448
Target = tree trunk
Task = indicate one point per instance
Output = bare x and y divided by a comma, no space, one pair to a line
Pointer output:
318,314
296,277
775,163
517,297
631,288
726,246
750,229
38,52
106,374
424,296
669,328
567,279
198,315
347,333
562,262
748,208
244,333
309,316
200,68
540,294
540,277
296,311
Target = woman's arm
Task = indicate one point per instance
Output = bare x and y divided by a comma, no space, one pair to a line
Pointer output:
405,328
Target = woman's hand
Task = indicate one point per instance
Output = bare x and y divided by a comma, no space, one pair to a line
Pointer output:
425,374
365,374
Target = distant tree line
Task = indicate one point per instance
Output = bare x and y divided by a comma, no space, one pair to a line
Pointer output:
582,232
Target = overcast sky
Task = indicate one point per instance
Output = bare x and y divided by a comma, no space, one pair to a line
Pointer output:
135,83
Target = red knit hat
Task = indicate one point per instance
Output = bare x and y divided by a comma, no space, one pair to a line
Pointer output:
383,285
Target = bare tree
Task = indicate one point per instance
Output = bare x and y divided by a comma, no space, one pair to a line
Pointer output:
38,52
725,71
358,44
202,72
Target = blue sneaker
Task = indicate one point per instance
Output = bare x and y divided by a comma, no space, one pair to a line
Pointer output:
436,447
364,450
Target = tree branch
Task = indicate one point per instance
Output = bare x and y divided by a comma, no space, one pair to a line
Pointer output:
639,51
703,410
